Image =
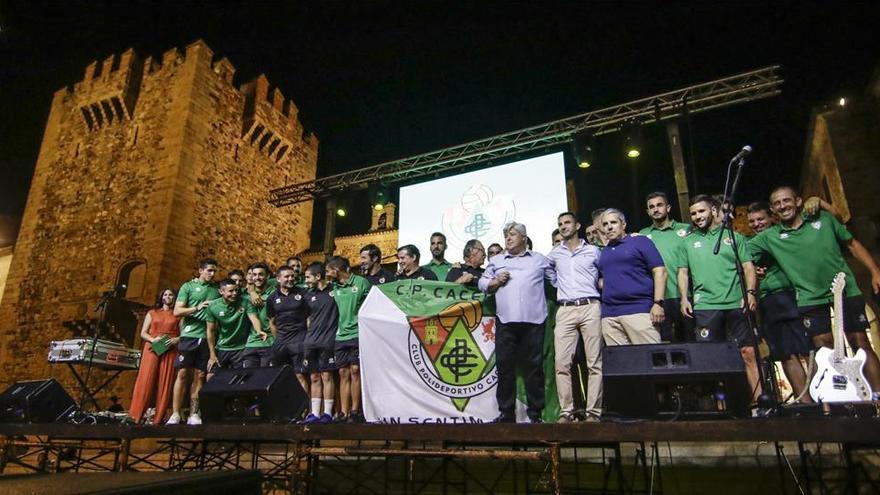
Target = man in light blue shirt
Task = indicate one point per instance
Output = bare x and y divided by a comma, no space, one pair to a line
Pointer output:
579,314
516,277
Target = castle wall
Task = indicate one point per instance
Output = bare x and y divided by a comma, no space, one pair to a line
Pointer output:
157,161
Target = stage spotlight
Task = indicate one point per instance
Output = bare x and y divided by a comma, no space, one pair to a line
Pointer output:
842,102
341,211
582,144
632,139
378,195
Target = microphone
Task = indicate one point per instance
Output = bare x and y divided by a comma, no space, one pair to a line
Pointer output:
742,153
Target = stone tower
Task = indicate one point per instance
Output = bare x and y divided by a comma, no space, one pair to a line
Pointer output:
145,167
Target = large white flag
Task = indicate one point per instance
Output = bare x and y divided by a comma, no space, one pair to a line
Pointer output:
427,354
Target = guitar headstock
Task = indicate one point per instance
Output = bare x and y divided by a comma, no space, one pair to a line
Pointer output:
838,284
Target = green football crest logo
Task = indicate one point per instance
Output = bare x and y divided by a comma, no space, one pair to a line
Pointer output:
445,352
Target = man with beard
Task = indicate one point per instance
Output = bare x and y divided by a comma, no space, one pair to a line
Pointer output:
578,316
438,263
349,291
408,263
371,266
634,279
667,234
288,310
258,350
192,350
718,310
319,360
472,269
516,277
808,250
781,323
296,263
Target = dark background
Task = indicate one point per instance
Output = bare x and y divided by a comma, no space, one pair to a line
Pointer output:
378,81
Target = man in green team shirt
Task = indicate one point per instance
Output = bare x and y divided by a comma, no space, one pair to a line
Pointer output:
192,351
718,310
258,350
781,324
438,263
808,250
667,235
349,291
229,322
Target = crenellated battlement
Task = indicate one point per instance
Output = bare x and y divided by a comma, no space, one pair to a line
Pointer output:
109,90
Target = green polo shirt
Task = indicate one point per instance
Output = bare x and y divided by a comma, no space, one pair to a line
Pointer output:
439,269
774,279
668,241
810,256
349,297
233,325
253,338
716,283
192,294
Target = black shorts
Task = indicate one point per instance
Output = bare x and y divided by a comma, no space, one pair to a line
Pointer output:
715,325
347,353
230,360
318,360
257,357
817,319
676,327
192,353
288,353
782,326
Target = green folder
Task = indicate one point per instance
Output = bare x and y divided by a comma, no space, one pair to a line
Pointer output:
161,346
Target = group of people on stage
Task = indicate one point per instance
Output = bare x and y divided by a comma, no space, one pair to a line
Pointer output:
662,284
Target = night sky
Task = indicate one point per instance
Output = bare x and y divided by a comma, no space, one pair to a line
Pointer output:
378,81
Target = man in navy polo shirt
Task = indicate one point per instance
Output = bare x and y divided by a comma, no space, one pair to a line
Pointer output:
634,283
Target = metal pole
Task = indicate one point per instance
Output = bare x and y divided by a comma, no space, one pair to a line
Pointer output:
330,227
679,169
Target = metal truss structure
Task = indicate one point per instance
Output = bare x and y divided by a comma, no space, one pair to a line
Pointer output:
307,467
741,88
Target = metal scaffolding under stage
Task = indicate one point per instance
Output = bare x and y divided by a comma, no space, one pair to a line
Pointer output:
824,455
749,86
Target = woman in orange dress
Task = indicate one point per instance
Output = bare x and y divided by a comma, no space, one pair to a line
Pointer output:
155,379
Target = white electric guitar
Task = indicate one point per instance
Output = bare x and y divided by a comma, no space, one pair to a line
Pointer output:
839,378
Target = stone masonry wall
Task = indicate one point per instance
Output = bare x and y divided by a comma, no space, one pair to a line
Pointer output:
161,162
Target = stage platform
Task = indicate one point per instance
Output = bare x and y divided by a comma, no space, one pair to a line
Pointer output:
625,457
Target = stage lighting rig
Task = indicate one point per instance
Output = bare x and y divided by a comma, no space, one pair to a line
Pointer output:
582,144
632,139
379,196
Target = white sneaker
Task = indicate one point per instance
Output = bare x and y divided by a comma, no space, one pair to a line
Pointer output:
173,420
194,419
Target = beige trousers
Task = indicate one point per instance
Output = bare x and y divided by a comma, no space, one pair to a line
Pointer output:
571,322
630,329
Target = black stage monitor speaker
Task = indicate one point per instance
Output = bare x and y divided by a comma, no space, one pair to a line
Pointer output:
35,401
253,394
681,381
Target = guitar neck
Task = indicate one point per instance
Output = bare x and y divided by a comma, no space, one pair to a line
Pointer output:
837,322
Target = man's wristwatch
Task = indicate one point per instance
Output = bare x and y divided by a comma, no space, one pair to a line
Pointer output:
658,301
753,292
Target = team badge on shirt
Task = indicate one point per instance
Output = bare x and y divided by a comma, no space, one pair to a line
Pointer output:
698,244
382,280
223,313
783,235
297,297
354,288
277,300
728,241
817,224
314,298
198,289
681,232
807,323
704,333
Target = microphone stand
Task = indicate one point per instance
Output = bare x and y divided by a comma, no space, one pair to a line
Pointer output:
767,399
102,307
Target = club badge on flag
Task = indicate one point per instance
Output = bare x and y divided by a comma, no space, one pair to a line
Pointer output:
427,354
